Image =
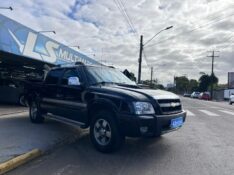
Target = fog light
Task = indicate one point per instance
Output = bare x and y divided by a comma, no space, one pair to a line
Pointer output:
144,129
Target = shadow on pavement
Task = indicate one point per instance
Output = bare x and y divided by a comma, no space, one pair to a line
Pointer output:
19,135
135,156
11,109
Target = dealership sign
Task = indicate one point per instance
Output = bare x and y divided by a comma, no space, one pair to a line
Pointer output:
230,79
18,39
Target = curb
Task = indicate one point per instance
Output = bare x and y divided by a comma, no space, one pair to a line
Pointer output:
16,112
19,160
10,115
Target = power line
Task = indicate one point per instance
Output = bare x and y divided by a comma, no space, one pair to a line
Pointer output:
210,16
146,59
227,40
221,10
124,13
201,26
125,10
122,8
182,33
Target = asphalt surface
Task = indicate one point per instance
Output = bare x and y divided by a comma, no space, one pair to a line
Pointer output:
205,145
6,109
18,135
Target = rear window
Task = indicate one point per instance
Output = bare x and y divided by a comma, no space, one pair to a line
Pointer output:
53,76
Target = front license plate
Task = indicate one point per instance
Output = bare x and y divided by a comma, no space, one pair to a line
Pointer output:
177,122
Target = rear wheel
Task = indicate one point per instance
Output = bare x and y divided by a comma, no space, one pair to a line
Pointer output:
230,103
104,132
35,113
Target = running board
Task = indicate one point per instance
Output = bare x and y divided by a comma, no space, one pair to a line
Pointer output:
64,120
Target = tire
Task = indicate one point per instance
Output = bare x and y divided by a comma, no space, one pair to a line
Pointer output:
35,113
104,132
230,103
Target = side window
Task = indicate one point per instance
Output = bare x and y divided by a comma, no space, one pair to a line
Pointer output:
70,73
53,76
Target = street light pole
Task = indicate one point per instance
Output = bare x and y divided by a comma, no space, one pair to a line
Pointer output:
141,50
78,47
9,8
47,31
167,28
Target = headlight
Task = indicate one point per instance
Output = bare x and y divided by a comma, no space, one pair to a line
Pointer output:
143,108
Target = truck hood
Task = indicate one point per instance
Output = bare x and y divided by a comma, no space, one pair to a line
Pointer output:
156,94
139,93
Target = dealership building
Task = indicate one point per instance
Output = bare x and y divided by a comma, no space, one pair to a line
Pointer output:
28,54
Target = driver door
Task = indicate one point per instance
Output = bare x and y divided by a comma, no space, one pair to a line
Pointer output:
70,92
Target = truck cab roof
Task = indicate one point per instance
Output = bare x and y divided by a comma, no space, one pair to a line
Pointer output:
78,64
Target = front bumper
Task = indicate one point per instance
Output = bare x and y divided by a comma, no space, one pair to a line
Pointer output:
149,125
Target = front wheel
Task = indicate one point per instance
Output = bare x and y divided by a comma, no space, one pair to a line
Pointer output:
104,132
35,113
230,103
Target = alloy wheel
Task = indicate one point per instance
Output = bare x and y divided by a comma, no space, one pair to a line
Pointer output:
102,132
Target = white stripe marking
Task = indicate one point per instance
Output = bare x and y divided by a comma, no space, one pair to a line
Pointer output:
227,112
18,114
189,113
209,113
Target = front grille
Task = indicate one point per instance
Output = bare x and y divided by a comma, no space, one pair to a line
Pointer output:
170,106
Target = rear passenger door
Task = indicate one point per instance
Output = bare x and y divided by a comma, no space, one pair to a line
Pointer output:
72,103
49,93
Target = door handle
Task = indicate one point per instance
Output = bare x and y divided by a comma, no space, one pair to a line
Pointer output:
59,95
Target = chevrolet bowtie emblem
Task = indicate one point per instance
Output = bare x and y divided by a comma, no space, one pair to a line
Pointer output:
173,104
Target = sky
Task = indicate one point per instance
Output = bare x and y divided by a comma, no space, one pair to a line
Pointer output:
102,31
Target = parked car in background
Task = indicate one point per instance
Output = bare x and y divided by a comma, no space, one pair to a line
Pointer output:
12,92
187,95
231,99
195,94
204,96
145,86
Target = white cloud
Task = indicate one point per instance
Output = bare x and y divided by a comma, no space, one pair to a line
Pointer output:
98,27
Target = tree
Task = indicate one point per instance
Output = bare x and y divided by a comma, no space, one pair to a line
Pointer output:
193,85
153,85
205,82
160,86
130,75
182,84
215,79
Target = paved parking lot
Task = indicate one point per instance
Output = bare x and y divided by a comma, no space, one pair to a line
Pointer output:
11,109
19,135
205,145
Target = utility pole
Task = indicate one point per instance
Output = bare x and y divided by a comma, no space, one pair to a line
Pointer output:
151,77
212,73
140,59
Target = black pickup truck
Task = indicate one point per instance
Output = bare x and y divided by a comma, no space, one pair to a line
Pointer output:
106,101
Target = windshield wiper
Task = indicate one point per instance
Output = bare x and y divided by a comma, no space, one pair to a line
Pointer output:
127,85
102,83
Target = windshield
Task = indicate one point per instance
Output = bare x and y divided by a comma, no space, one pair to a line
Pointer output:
107,75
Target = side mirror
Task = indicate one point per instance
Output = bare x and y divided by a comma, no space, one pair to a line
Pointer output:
73,81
